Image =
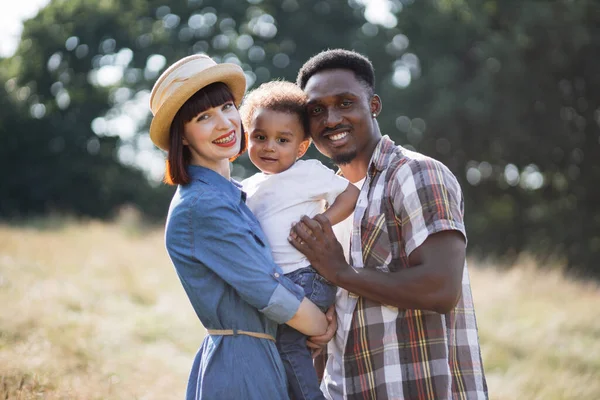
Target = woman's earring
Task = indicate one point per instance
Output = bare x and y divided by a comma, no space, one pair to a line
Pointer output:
374,115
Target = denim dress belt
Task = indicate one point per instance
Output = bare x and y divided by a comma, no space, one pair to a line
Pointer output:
234,332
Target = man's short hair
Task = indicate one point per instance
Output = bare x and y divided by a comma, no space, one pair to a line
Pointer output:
279,96
339,59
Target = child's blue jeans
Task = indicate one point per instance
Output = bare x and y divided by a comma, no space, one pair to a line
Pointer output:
297,360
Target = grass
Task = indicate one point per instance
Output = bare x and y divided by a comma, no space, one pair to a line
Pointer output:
539,333
92,311
95,311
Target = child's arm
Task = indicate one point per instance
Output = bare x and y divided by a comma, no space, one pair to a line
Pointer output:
343,205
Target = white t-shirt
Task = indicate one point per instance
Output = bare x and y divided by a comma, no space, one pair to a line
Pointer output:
278,200
343,233
343,230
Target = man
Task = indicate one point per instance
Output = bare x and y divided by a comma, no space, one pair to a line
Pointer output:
406,325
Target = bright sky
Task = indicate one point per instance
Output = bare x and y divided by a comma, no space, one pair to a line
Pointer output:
11,22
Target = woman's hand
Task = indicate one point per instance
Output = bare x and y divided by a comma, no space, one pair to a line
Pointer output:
318,343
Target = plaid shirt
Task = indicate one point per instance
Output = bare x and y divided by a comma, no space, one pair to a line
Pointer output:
389,353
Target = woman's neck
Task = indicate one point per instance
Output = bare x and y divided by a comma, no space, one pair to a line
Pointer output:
221,167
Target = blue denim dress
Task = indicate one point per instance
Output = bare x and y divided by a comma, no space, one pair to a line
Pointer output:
224,263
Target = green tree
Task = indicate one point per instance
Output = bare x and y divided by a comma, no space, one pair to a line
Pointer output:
506,94
53,159
509,94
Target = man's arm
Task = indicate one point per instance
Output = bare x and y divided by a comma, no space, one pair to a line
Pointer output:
343,205
433,283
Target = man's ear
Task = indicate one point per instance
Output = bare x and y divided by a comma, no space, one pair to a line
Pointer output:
376,105
303,147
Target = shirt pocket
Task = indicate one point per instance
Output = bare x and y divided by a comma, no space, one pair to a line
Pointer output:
376,247
257,238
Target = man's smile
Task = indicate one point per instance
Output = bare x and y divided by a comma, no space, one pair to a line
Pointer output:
337,136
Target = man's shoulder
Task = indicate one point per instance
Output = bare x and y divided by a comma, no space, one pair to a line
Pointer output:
404,163
401,156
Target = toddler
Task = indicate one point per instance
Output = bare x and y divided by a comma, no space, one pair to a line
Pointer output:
287,188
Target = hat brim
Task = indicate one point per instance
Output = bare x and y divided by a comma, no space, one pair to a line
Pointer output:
230,74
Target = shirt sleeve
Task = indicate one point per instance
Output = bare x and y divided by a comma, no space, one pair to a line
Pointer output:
223,241
427,199
323,182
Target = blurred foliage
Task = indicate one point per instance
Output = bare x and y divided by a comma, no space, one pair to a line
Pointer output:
505,93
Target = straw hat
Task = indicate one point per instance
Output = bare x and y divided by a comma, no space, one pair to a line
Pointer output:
180,81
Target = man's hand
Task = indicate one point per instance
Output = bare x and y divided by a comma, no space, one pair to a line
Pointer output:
318,343
314,238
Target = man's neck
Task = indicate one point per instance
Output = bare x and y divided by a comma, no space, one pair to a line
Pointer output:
356,170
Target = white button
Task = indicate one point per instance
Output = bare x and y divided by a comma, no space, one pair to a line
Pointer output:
276,274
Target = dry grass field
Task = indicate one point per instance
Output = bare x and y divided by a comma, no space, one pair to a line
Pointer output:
95,311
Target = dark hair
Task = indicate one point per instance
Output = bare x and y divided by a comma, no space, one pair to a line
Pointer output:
339,59
179,156
280,96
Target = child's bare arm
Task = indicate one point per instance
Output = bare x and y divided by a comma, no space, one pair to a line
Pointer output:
343,205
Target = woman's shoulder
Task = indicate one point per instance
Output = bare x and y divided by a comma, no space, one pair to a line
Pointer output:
199,199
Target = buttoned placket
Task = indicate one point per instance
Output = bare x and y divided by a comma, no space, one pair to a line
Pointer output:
356,262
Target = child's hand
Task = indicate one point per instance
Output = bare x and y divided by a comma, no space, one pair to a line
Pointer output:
318,343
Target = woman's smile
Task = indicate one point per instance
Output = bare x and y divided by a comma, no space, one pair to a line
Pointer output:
227,140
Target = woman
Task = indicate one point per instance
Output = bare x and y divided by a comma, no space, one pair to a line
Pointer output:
214,241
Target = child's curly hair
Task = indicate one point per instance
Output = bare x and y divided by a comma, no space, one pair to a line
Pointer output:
280,96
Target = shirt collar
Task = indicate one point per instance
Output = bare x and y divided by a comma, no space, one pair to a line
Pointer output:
229,187
381,155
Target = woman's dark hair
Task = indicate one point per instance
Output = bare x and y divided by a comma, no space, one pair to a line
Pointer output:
179,156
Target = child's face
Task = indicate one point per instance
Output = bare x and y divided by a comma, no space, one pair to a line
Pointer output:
276,140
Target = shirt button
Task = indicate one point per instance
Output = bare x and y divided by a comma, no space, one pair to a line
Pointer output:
276,275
